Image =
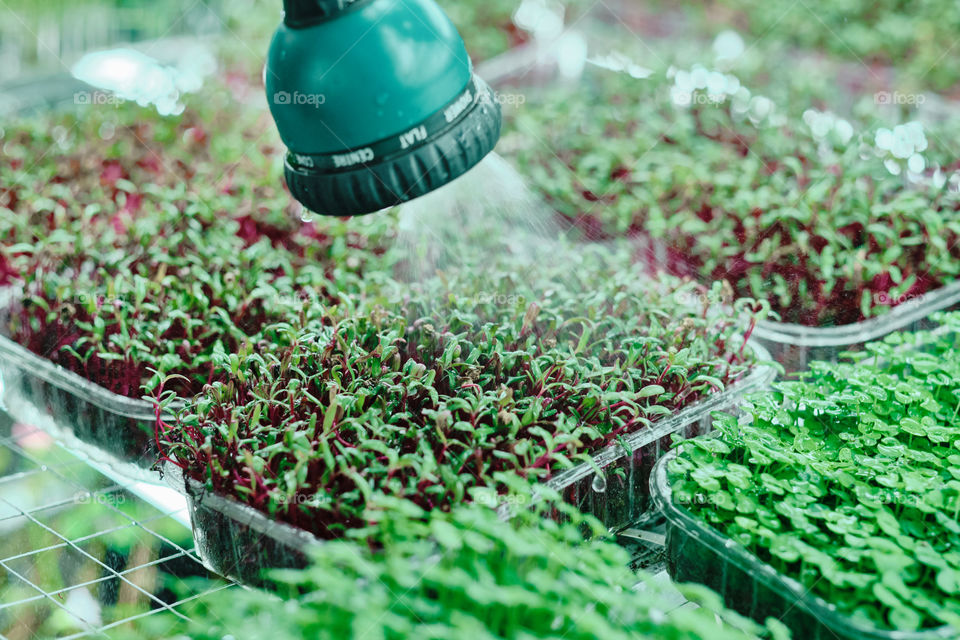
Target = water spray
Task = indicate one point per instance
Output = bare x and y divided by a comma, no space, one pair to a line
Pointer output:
376,101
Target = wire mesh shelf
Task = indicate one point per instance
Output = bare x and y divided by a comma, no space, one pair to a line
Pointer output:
83,550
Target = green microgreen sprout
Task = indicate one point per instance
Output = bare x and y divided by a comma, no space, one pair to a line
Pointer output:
848,480
447,402
464,574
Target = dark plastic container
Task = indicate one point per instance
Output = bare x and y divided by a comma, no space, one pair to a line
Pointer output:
699,553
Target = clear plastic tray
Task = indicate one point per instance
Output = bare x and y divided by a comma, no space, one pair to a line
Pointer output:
699,553
118,431
621,497
238,541
795,346
235,540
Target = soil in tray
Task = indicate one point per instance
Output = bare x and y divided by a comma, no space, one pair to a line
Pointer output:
846,482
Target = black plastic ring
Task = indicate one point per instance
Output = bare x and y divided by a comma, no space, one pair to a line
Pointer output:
366,187
449,115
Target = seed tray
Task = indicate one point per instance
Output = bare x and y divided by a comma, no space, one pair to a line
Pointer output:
699,553
795,346
116,430
235,540
239,542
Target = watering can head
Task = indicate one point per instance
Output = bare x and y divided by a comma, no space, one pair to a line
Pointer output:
376,101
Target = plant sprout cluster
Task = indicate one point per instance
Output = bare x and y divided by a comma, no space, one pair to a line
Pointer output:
147,244
449,396
157,255
907,45
464,574
848,480
799,209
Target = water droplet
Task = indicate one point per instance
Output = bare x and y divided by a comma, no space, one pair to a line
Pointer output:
844,131
728,45
916,163
305,214
954,182
939,177
884,139
599,483
107,130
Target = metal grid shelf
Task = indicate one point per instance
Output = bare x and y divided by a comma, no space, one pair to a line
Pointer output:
84,551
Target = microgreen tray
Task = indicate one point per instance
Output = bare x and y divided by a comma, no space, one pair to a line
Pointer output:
794,346
698,553
584,181
119,431
238,541
621,496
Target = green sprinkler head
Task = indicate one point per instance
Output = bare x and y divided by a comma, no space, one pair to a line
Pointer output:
376,101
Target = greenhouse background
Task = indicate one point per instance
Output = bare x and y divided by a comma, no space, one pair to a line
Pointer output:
447,319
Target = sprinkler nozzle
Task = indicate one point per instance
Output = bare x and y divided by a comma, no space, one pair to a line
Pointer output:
376,101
